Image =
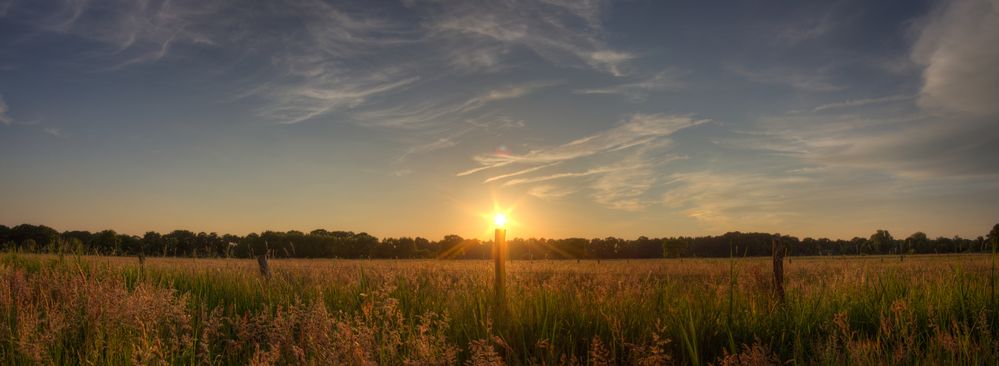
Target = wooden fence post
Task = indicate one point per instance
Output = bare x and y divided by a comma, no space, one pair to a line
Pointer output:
778,250
499,258
265,269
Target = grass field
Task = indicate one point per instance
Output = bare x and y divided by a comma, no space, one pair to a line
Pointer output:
843,310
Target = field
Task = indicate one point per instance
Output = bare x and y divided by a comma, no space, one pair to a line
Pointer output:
841,310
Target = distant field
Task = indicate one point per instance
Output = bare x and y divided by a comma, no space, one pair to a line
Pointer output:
838,310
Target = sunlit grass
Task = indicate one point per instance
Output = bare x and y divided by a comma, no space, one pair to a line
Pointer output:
870,310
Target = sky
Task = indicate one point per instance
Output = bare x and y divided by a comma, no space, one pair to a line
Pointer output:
581,118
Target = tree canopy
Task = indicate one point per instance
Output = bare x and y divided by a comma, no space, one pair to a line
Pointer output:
321,243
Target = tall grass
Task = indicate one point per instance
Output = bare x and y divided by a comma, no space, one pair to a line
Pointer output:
870,310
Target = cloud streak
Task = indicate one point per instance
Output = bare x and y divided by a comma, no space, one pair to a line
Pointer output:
732,200
862,102
435,113
804,81
517,173
550,192
561,32
300,103
634,147
327,58
957,49
949,133
5,118
638,129
666,80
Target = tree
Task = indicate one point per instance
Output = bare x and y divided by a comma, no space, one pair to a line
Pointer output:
108,242
675,247
39,235
919,242
182,242
4,234
882,241
405,248
151,241
994,234
424,248
450,247
130,245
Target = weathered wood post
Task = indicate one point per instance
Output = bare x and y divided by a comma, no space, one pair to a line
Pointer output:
778,248
265,269
499,259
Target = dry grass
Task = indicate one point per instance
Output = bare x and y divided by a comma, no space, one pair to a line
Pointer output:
859,310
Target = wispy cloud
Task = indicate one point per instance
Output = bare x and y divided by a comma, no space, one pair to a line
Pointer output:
5,6
862,102
623,189
508,92
443,140
471,58
611,60
550,192
318,65
298,103
437,112
549,29
340,34
448,133
550,177
733,200
806,28
957,48
886,139
145,31
54,131
440,143
589,10
623,184
666,80
619,183
795,35
949,134
314,58
4,110
814,81
329,58
136,32
638,129
517,173
7,120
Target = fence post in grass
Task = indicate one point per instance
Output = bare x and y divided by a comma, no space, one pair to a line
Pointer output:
778,249
265,269
142,261
499,258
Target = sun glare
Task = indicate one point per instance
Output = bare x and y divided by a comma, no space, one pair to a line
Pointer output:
500,220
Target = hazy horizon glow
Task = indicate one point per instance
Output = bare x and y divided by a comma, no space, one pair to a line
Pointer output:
584,118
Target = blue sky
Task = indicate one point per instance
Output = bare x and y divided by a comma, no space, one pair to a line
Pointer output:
586,118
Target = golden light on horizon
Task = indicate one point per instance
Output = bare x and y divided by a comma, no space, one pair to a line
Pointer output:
499,219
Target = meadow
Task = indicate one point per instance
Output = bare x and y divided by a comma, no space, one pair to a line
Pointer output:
75,310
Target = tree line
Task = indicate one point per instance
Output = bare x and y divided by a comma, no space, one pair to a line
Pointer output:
346,244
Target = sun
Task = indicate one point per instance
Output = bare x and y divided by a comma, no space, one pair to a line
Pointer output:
499,219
